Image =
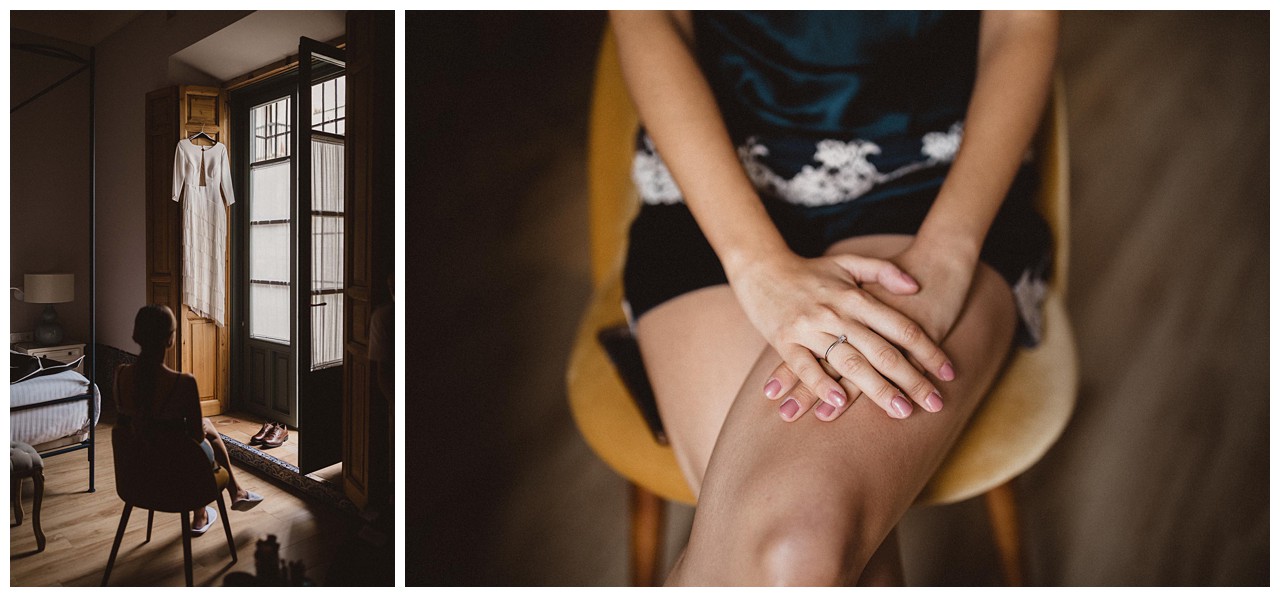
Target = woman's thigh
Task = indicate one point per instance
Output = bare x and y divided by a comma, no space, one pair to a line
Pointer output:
778,494
697,349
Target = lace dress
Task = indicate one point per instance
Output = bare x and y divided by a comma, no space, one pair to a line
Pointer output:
202,181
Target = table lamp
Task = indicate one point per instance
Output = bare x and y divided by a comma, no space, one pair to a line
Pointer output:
48,289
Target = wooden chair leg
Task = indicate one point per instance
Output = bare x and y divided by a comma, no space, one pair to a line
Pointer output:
151,516
226,526
35,510
1002,510
647,515
15,499
115,547
186,547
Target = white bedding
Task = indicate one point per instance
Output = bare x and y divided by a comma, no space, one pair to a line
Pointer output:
40,425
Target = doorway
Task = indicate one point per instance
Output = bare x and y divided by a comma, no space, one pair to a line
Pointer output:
287,253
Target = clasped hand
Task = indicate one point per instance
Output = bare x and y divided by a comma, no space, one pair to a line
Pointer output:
804,307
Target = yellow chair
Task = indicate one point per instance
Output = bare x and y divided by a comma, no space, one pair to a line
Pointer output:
1023,416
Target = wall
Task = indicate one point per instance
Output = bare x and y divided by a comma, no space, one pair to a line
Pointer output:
49,185
132,62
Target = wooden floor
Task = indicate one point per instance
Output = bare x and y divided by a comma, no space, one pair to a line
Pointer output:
80,527
1162,477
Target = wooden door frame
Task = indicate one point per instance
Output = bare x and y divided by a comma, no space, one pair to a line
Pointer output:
368,436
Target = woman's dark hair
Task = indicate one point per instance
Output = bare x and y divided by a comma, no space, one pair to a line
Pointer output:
152,328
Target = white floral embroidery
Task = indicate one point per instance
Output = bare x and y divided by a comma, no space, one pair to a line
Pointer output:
942,147
652,179
1029,295
842,172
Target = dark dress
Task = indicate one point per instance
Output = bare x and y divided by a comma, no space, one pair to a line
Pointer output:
846,123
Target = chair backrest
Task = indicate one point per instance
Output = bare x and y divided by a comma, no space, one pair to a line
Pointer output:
613,199
165,471
610,150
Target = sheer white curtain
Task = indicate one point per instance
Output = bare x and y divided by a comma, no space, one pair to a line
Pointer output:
327,204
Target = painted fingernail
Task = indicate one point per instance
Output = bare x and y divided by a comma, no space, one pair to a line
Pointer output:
836,398
789,408
772,388
933,403
946,372
824,409
901,406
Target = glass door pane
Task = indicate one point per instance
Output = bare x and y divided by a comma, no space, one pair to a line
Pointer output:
327,189
269,221
269,252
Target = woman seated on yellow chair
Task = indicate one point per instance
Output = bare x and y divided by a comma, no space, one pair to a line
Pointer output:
823,278
153,398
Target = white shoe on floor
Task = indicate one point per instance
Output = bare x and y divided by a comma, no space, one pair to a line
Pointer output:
247,503
213,517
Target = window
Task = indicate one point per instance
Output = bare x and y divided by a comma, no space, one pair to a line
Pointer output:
329,106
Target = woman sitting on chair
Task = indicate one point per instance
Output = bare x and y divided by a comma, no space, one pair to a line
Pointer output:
152,398
813,231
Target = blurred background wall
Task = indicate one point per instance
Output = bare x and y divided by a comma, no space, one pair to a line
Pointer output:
1162,478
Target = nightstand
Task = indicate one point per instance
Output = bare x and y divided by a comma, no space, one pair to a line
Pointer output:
63,353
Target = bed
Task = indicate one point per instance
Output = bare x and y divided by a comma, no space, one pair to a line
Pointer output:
52,413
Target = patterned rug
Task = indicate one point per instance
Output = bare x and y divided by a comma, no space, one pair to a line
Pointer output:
290,476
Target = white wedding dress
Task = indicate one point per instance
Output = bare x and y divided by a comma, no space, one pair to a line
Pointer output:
202,175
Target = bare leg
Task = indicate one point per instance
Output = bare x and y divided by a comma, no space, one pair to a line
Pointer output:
806,502
697,349
223,458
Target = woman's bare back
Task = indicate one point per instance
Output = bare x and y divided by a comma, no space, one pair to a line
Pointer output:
174,397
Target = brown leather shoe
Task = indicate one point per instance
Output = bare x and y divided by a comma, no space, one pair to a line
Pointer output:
276,437
257,437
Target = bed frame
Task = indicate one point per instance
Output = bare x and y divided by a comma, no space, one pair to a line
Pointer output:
86,65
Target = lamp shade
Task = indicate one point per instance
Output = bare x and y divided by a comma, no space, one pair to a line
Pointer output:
49,288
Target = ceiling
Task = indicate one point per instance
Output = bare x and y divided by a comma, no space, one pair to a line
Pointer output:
259,39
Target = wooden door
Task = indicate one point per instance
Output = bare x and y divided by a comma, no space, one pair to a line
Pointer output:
370,237
202,348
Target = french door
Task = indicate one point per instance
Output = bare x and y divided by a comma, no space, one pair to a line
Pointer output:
291,246
319,213
266,280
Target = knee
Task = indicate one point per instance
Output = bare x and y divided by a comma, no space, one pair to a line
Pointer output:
802,549
756,532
